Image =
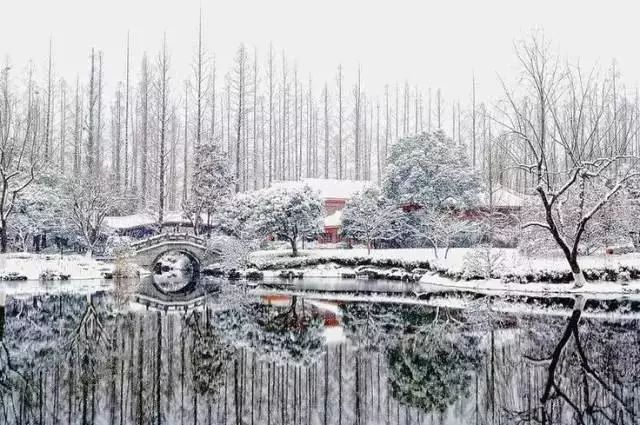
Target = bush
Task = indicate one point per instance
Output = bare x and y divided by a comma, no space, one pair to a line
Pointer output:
304,262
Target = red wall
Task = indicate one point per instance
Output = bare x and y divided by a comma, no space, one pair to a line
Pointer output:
330,235
333,205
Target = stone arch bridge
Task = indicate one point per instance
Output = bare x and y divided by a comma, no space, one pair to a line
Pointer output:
147,252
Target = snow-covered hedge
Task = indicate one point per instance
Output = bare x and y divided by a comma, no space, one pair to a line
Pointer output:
606,272
305,262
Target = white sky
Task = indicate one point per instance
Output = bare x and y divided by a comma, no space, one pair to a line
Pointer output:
430,43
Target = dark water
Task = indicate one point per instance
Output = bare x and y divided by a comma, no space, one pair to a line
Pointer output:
238,358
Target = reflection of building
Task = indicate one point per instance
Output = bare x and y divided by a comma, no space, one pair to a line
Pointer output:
325,309
334,194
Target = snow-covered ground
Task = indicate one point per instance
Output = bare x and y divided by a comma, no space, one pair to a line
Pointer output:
31,288
33,265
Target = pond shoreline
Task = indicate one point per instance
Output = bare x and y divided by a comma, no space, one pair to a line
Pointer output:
616,275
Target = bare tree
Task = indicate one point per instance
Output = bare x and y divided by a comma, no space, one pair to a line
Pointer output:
325,96
99,123
564,110
240,88
339,165
357,110
63,125
92,101
89,200
126,117
163,118
48,118
145,82
19,149
272,147
185,145
255,119
77,130
199,85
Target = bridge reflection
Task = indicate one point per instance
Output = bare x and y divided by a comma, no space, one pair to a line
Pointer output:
191,295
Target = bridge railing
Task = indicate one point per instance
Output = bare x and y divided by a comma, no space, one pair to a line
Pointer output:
167,237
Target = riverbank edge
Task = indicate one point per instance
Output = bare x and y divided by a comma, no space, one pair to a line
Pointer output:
621,280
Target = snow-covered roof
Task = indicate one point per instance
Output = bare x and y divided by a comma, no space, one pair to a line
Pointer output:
333,220
328,188
503,198
142,219
129,221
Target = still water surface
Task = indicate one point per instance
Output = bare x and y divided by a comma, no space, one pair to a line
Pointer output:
238,358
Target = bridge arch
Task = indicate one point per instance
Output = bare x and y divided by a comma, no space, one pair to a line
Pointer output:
147,252
194,259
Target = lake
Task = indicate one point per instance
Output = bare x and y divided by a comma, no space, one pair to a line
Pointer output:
220,353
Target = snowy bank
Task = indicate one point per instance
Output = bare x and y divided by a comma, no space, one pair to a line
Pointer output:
33,266
614,273
432,282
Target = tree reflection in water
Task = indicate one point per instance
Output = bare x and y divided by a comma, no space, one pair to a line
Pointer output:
78,360
432,368
591,372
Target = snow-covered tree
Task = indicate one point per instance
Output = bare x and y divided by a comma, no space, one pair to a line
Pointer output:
289,213
38,210
430,170
234,217
20,161
483,261
211,184
370,218
567,113
440,228
611,225
234,251
88,201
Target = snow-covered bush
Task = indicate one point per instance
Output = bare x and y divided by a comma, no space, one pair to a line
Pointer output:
440,228
234,251
483,262
118,246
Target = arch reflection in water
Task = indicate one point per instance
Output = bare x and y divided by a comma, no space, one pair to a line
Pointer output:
70,359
